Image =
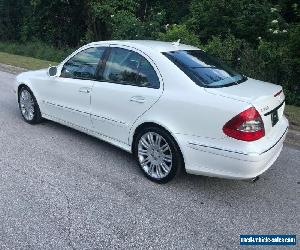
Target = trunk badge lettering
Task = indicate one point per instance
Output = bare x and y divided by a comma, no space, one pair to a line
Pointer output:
265,109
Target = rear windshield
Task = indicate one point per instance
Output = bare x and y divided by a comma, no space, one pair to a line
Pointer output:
203,69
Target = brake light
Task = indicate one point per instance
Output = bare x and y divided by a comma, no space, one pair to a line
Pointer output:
246,126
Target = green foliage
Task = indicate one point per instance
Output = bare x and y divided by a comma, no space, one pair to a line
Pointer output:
35,49
229,49
24,61
246,19
294,42
11,13
100,13
118,20
57,22
260,38
181,32
270,61
125,25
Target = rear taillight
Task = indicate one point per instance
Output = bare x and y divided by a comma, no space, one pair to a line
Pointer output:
246,126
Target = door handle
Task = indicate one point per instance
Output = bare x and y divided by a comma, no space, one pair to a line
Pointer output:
85,90
138,99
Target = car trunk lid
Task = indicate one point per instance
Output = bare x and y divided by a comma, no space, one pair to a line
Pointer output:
267,98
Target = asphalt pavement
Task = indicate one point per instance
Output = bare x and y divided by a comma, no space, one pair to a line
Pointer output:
62,189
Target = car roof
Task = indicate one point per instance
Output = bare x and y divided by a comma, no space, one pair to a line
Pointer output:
158,46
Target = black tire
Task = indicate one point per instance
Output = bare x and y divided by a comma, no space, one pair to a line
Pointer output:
37,117
177,159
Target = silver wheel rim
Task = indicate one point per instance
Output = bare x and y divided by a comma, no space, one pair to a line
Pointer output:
26,105
155,155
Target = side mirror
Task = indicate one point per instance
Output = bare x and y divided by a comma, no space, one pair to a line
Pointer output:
52,71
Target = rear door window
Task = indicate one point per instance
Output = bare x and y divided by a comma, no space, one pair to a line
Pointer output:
128,67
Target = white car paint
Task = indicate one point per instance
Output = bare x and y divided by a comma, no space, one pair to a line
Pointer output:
194,115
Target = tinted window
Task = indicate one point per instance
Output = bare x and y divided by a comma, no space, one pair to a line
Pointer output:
128,67
83,65
204,69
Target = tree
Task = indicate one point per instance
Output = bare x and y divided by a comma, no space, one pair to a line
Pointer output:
247,19
11,18
60,23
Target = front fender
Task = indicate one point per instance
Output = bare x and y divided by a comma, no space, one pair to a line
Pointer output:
20,80
31,79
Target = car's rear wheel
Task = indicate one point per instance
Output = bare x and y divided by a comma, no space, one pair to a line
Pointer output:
158,154
29,107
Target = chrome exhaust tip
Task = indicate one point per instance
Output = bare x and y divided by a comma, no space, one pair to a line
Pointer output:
255,179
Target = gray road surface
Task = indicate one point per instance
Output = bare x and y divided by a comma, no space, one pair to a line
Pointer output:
61,189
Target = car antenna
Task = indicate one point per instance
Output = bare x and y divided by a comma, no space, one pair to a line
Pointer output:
176,43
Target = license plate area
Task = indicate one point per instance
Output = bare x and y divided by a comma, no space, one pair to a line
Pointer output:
274,117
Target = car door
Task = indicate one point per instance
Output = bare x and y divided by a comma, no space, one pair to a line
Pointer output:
68,96
129,84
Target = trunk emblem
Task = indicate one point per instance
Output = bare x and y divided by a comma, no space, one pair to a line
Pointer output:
264,109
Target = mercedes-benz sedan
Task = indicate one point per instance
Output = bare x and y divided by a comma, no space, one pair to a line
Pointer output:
172,105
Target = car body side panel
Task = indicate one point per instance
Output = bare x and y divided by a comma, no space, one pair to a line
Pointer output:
188,111
115,107
194,116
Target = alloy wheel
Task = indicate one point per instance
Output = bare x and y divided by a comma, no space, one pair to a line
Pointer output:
26,105
155,155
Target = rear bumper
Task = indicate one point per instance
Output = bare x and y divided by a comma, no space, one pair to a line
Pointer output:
233,164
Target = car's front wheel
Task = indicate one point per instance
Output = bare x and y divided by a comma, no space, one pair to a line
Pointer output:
29,107
158,154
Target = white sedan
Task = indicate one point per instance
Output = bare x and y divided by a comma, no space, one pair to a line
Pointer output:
172,105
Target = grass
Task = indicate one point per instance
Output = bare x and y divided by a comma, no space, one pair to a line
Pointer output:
293,115
24,61
35,49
